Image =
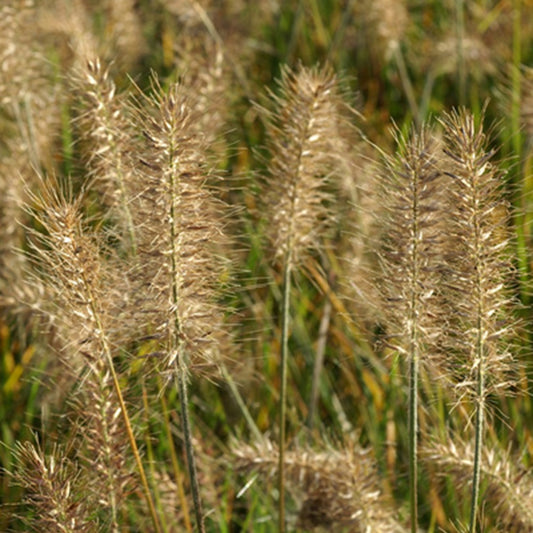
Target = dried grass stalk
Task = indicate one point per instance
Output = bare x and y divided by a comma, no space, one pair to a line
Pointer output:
481,322
305,147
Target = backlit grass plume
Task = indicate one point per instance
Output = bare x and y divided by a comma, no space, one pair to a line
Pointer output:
409,260
179,230
305,143
480,272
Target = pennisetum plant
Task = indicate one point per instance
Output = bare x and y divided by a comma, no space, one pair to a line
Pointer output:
409,259
179,234
304,146
480,271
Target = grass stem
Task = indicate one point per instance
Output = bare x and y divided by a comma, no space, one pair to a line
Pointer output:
189,448
283,386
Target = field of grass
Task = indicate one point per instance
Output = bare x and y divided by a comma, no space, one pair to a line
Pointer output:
266,266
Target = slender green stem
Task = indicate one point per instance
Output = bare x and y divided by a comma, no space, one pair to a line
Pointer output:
479,355
175,466
480,416
189,448
407,85
283,387
241,403
516,78
522,214
319,363
413,440
414,354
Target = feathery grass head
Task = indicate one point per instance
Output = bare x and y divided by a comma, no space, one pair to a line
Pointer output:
385,24
107,137
305,144
85,289
481,320
180,230
411,192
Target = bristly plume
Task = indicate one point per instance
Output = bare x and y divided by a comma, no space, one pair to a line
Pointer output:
180,232
337,487
384,24
125,32
86,293
84,306
305,143
411,193
481,313
306,147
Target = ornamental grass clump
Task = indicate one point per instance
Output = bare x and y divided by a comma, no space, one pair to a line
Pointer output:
337,487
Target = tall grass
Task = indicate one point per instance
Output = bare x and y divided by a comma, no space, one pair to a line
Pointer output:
265,266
